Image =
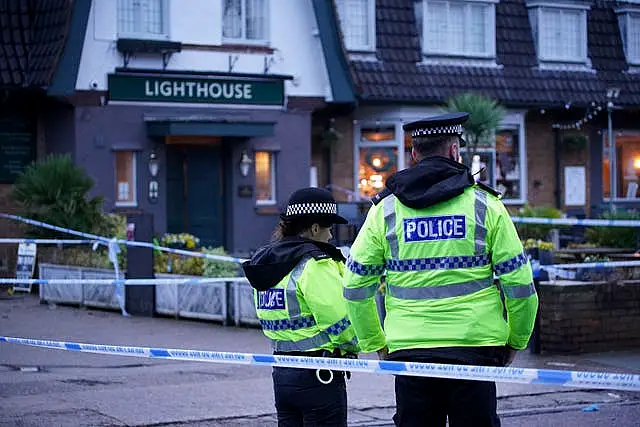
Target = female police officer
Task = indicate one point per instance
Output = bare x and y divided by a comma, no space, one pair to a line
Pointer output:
298,295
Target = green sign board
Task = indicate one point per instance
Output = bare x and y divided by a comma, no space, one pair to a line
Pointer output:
197,89
17,147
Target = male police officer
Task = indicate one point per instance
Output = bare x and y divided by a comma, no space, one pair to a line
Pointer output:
440,237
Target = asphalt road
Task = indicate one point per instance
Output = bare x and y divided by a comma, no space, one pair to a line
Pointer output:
44,387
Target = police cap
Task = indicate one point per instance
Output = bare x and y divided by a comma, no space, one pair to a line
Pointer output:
441,125
315,204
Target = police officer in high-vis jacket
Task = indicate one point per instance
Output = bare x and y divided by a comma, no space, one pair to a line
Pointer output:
441,238
298,297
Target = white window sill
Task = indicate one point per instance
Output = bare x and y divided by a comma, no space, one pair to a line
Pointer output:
126,204
266,202
568,65
245,42
461,61
144,36
362,56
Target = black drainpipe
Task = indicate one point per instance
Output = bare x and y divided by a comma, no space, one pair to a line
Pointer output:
558,151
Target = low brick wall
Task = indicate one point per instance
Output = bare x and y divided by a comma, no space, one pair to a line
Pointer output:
582,317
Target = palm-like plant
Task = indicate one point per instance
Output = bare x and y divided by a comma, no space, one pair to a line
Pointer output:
55,191
485,116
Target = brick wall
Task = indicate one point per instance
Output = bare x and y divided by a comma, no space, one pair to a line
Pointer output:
589,318
541,180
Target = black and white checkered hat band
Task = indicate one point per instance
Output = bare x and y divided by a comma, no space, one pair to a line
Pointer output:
442,130
312,208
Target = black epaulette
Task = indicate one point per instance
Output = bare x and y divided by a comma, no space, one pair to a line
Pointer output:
381,195
488,189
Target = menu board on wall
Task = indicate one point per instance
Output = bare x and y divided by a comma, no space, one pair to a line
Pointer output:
17,147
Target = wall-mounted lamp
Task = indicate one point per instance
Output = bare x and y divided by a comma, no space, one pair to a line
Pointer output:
153,165
245,163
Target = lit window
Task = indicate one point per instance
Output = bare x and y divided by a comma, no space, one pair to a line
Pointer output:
358,23
626,164
265,178
126,178
245,21
378,159
560,34
456,27
142,18
630,32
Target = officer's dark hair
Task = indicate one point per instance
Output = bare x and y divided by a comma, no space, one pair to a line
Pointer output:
428,146
294,227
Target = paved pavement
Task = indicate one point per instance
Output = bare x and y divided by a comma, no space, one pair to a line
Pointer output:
43,387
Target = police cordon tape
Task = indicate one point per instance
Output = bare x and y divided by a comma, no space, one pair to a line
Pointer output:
50,241
579,379
577,221
105,240
122,282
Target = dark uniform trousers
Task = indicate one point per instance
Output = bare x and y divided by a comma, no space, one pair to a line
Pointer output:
302,400
426,401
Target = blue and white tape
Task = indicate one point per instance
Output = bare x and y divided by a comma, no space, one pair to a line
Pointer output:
123,282
106,240
580,379
50,241
576,221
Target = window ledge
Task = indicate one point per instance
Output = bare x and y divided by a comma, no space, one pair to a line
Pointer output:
546,65
362,56
460,61
267,209
634,68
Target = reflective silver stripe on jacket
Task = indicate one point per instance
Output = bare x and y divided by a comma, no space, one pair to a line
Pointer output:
438,292
480,234
518,291
389,210
315,341
356,294
293,306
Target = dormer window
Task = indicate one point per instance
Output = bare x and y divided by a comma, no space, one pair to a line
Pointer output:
143,19
559,30
464,28
358,24
629,20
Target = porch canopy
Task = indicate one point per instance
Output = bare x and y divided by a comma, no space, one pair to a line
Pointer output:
207,126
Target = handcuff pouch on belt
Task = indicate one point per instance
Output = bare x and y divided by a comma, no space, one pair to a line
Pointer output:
335,353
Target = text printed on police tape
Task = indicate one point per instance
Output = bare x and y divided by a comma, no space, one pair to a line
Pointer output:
446,227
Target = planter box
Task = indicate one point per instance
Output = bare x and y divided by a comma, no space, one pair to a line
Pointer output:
208,301
102,296
243,310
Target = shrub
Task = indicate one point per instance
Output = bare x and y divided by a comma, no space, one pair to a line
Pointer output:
55,190
214,268
537,231
616,237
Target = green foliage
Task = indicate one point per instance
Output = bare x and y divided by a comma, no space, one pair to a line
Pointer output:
615,237
164,262
485,116
55,190
213,268
537,231
539,244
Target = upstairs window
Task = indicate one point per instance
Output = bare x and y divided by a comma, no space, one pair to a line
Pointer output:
629,20
143,18
457,27
246,21
559,31
358,23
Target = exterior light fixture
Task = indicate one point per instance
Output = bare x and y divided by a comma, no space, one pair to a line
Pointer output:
153,165
245,163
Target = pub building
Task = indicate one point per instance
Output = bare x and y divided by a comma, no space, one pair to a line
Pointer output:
198,113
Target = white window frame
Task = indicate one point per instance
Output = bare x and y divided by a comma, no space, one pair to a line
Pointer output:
141,34
625,15
272,161
371,29
490,29
134,184
243,40
537,8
